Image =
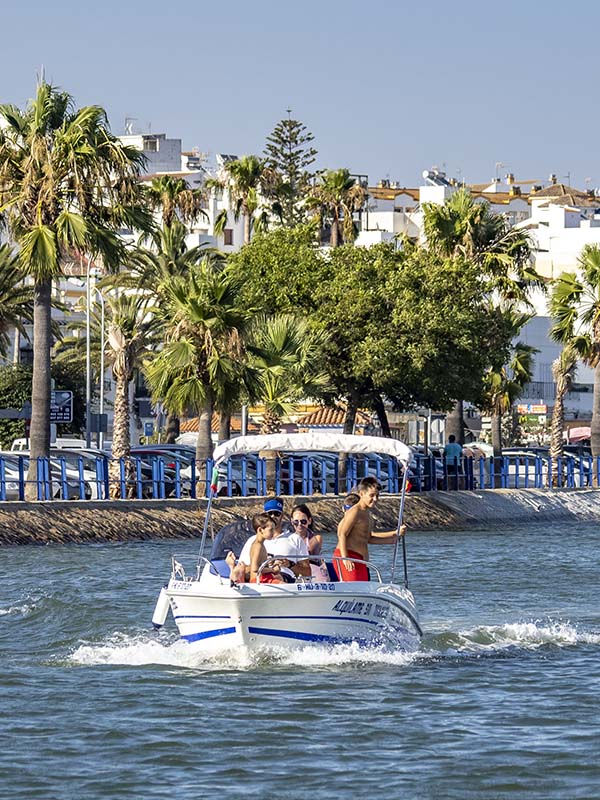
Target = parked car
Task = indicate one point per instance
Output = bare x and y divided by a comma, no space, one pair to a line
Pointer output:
70,489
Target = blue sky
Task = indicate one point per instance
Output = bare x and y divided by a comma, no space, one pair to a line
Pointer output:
387,88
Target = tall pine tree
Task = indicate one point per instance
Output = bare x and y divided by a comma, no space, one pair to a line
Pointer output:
289,152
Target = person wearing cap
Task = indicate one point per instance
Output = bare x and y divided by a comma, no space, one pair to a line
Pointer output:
274,508
286,543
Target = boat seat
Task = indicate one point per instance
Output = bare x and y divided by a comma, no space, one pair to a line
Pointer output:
220,567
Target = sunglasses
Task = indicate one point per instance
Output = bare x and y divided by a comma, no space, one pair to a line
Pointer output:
297,522
274,513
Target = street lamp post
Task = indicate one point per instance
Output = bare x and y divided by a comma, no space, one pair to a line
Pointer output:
88,361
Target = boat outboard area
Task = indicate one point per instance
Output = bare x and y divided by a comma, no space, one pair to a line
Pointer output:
214,612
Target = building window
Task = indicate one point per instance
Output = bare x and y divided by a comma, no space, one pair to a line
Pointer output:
151,145
26,355
228,236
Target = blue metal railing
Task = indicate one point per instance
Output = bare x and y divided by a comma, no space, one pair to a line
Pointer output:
292,475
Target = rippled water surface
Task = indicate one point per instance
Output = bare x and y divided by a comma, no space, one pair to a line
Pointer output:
501,702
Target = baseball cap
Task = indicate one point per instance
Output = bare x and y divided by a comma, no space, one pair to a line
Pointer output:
274,504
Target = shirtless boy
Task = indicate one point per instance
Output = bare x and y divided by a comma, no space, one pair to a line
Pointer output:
254,552
355,533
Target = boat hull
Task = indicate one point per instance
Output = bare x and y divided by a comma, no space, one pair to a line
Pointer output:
254,617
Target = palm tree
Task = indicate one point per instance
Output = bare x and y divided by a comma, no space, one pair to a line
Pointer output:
132,331
563,371
575,308
66,183
150,269
503,386
16,297
285,359
131,325
337,196
204,348
464,228
176,200
249,182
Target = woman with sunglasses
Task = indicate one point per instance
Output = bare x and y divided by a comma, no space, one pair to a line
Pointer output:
302,521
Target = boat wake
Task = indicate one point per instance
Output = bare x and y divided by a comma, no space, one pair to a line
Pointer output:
165,649
530,635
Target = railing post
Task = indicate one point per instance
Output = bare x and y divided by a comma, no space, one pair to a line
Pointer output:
122,479
244,467
177,478
161,478
21,468
2,480
39,477
193,479
139,479
277,465
81,478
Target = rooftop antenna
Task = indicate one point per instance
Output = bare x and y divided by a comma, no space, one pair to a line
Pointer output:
568,177
499,166
129,125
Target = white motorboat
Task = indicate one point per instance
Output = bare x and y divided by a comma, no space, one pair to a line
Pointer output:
212,614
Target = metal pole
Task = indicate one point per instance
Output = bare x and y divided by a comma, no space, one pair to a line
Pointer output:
212,492
244,420
400,517
88,364
100,440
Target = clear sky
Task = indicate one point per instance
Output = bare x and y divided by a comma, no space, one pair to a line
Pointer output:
388,88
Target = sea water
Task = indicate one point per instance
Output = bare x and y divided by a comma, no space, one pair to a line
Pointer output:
502,700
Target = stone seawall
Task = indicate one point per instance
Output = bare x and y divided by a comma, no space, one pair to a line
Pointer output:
104,521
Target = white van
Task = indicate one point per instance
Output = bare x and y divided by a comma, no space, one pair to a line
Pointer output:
65,444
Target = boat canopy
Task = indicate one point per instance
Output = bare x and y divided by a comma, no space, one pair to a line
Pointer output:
315,440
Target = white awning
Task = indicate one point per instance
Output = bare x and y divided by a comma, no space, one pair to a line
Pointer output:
313,441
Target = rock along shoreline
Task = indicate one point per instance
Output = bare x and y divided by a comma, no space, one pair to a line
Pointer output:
79,522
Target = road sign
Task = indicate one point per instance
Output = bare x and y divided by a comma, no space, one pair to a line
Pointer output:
148,428
532,408
61,406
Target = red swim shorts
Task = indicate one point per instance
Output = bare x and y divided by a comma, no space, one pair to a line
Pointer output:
359,573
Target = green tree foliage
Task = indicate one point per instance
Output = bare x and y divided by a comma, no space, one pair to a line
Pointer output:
175,200
405,325
409,326
66,184
575,308
16,297
249,183
289,153
204,349
280,271
15,390
335,197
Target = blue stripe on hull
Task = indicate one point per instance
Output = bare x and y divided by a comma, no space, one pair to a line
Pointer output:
195,637
308,637
302,616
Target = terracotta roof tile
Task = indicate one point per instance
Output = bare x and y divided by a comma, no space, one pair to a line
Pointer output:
191,425
329,417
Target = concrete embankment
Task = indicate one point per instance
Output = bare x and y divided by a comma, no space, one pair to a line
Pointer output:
104,521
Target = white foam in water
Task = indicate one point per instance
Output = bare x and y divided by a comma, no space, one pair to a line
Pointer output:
23,610
148,649
526,635
143,649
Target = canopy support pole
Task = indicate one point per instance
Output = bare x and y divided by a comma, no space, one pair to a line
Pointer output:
400,518
213,490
